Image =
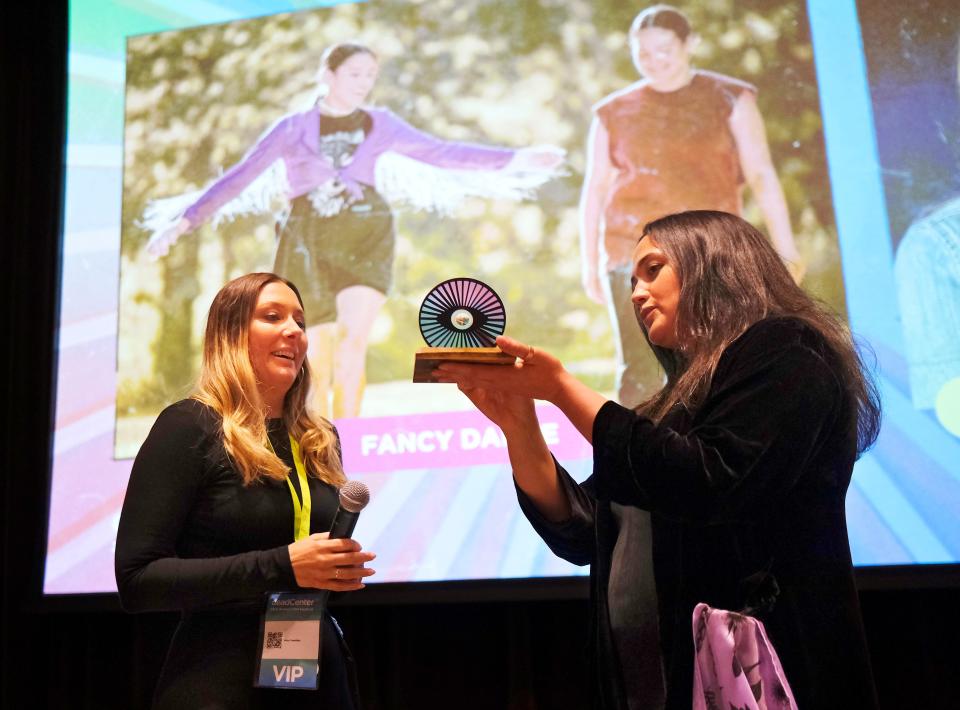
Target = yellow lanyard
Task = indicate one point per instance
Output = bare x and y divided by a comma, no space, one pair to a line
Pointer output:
301,511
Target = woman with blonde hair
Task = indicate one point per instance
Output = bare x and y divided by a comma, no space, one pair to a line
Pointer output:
224,504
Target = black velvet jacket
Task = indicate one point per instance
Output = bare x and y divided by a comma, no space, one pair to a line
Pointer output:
749,487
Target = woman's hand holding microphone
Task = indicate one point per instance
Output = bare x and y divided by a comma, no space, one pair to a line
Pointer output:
336,565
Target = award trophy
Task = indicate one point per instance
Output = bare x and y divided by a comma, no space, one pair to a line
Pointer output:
460,320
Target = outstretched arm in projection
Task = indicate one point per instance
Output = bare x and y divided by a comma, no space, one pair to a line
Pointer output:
170,218
160,243
421,171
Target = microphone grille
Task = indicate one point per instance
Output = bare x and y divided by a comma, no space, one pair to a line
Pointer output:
354,496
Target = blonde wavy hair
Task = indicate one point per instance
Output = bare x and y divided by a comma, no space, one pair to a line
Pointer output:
228,385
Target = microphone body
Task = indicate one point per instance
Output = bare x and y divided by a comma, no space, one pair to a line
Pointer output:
343,523
354,496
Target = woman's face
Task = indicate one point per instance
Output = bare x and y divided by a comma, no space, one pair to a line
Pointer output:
351,83
277,340
656,293
661,56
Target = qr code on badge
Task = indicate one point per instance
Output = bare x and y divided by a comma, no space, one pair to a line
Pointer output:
274,639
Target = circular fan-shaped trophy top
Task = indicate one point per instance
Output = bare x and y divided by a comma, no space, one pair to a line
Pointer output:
462,313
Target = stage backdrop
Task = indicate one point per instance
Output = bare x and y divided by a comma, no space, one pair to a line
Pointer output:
166,97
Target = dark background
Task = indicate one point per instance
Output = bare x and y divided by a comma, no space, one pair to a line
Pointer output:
439,648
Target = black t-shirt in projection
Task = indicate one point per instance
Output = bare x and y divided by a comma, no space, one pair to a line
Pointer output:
340,136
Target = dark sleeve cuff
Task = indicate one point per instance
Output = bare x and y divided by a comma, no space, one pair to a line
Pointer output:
277,562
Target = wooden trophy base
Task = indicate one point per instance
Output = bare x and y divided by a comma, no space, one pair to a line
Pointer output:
428,359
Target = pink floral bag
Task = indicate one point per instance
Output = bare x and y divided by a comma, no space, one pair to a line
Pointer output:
735,666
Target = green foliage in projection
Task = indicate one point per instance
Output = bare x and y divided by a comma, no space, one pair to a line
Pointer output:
511,74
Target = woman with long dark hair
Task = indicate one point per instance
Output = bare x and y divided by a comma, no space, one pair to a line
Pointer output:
337,242
226,502
743,459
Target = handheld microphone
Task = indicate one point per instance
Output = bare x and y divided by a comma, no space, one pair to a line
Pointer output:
354,497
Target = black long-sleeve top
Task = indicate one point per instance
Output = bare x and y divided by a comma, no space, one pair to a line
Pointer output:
751,483
193,538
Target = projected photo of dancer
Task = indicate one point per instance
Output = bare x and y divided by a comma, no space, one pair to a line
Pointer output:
340,164
679,139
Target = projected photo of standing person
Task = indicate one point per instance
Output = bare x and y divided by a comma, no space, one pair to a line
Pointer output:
914,72
680,138
338,237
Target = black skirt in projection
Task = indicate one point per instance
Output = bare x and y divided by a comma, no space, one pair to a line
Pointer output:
325,255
